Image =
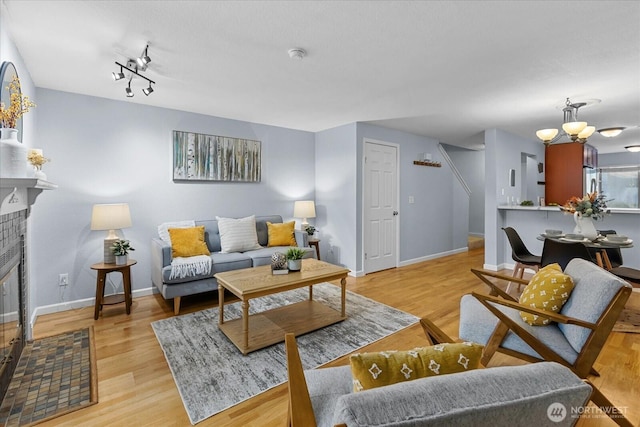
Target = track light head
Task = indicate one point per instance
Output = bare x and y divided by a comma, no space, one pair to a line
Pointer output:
147,90
118,76
128,90
143,60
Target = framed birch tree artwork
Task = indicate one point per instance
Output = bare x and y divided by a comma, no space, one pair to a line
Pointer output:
200,157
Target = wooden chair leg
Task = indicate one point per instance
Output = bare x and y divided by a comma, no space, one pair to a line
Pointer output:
434,334
176,305
607,407
518,272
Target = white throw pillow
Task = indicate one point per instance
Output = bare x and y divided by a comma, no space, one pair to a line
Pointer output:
163,229
238,234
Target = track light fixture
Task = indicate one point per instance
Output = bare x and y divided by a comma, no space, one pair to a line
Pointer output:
135,67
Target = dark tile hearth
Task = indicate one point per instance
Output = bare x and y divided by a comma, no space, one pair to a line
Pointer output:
53,377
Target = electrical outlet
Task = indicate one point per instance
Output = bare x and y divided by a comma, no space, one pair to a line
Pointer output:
63,279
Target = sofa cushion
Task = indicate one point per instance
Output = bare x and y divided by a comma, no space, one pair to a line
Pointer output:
163,229
477,324
238,234
188,242
281,234
221,262
547,290
263,256
379,369
593,291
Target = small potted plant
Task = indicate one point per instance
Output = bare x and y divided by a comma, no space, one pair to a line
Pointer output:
294,258
311,230
120,249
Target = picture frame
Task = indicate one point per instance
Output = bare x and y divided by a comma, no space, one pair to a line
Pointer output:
201,157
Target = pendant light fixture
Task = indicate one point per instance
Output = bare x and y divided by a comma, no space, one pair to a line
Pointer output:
135,67
571,127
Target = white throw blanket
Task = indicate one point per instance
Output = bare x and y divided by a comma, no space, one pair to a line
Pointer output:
182,267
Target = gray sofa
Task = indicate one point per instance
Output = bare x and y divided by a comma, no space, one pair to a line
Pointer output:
178,287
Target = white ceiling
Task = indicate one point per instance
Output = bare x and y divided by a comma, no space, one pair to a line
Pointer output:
444,69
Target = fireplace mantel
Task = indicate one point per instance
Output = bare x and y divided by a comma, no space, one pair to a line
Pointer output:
17,194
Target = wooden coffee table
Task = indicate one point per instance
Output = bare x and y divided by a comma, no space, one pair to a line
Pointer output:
259,330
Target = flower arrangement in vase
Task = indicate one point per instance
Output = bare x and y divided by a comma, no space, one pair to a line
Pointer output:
13,154
36,159
589,207
18,105
120,249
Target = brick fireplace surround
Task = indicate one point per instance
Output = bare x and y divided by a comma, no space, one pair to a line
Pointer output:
17,195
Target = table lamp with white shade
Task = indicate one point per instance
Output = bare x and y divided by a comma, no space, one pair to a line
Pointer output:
304,209
110,217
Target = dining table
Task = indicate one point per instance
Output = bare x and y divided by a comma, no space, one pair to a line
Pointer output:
600,242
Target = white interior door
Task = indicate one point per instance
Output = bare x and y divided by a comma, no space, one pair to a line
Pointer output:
380,207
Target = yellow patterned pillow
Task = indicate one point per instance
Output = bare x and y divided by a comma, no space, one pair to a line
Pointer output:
547,290
281,234
187,242
370,370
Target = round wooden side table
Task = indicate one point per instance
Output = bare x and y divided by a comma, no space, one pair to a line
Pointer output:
104,269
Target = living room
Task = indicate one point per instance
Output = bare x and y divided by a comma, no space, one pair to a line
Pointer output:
104,149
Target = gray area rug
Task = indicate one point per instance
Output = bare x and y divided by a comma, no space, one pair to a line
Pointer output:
212,375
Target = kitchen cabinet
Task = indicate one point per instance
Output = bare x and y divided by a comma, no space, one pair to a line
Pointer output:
564,170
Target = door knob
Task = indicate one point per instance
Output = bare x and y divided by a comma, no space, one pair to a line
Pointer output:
395,213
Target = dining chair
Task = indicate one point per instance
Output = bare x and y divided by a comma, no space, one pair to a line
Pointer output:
614,262
521,255
555,251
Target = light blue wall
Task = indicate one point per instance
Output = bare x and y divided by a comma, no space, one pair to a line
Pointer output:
105,151
431,225
619,159
470,164
336,195
503,151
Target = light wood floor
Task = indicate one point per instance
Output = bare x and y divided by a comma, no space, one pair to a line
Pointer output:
136,386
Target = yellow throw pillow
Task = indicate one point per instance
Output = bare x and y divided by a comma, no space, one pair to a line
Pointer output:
370,370
186,242
547,290
281,234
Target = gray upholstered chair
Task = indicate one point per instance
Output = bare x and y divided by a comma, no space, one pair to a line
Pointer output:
574,338
503,396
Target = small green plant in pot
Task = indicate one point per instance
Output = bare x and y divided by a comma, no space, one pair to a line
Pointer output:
294,258
311,230
120,249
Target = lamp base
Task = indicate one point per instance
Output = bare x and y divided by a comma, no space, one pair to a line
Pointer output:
109,257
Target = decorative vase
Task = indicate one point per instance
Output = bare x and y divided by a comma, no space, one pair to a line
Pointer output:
38,174
13,155
294,264
584,226
121,259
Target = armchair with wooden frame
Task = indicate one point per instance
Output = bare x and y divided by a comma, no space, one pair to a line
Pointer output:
574,338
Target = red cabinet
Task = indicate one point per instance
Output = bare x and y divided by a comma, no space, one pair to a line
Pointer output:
564,176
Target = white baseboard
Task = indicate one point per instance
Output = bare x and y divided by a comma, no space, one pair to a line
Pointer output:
434,256
74,305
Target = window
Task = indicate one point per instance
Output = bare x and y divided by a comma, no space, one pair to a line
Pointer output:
619,183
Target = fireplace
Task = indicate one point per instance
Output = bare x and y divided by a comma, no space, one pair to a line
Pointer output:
13,288
17,195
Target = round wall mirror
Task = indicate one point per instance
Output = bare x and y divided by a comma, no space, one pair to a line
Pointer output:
7,73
